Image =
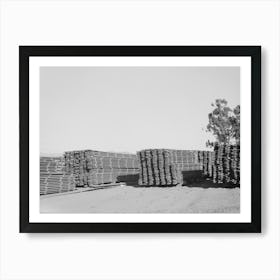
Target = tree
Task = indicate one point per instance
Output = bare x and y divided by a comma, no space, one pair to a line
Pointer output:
224,123
235,120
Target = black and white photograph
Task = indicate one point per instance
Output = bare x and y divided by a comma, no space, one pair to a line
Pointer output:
142,139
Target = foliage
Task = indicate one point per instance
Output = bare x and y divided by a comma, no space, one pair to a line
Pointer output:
224,123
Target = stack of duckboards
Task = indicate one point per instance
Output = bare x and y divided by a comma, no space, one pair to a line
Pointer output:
206,159
75,163
186,160
92,168
223,164
53,178
157,168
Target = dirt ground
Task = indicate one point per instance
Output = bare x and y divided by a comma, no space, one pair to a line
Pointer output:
131,199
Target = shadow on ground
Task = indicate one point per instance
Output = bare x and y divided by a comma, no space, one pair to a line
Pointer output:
192,179
130,180
196,179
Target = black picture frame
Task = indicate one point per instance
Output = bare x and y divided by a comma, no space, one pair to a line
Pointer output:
25,52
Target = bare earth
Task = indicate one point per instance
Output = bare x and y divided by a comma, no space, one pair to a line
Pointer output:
128,199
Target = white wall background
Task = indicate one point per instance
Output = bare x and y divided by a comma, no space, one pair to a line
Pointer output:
138,256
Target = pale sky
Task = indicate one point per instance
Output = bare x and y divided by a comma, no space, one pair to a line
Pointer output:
126,109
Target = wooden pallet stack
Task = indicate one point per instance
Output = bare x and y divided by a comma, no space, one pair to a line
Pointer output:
186,160
53,178
75,163
223,164
92,168
206,159
235,164
157,168
51,165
